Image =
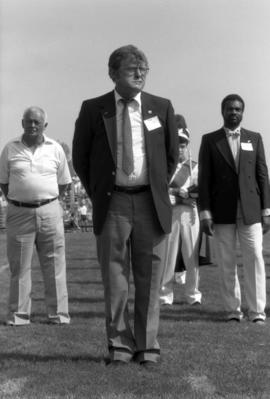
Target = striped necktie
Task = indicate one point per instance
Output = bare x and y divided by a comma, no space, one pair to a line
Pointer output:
127,156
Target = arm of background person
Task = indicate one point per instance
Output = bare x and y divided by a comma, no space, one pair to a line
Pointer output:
81,147
262,178
4,188
204,187
4,171
171,142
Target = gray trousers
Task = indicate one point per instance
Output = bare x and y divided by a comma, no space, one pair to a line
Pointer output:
41,227
132,238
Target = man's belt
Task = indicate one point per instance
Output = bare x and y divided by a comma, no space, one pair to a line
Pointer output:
132,189
33,205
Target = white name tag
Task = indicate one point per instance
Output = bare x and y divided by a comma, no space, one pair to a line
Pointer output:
152,123
247,146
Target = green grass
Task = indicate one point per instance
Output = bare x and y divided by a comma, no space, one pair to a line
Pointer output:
202,356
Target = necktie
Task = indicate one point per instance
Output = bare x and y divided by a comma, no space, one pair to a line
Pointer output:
127,158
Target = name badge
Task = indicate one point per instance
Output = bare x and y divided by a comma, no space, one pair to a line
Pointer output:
152,123
247,146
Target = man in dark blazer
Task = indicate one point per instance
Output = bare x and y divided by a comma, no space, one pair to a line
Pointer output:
234,199
125,152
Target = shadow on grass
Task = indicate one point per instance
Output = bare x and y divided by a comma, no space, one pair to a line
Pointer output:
194,315
70,282
83,258
87,315
48,358
85,300
86,282
75,299
87,267
37,317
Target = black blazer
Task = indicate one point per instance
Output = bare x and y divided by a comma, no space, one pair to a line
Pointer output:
94,153
220,186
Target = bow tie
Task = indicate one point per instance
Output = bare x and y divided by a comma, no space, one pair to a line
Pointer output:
233,133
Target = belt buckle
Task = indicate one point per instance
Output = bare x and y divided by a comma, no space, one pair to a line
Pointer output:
38,204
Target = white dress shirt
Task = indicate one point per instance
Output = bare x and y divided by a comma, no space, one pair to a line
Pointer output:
140,174
233,138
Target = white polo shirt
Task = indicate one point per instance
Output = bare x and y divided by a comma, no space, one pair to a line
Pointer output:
33,176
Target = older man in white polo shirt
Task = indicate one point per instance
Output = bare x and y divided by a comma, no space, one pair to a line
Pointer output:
33,173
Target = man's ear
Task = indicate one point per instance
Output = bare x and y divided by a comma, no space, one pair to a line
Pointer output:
46,124
22,123
112,74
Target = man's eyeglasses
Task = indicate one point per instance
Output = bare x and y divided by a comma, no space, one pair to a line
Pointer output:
133,70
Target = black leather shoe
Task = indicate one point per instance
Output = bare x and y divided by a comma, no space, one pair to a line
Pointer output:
233,319
196,303
259,321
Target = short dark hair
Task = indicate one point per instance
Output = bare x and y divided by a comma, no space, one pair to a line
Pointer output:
180,121
124,52
232,97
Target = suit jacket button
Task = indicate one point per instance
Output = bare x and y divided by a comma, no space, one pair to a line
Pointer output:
113,173
109,193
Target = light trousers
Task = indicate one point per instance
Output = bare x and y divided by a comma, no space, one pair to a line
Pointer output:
41,228
251,240
185,233
132,238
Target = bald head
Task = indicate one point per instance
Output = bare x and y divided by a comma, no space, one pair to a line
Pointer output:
34,122
37,110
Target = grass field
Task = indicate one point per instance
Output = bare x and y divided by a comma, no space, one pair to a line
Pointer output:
202,356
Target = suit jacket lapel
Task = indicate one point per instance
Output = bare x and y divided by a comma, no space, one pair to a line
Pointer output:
109,118
147,112
224,148
244,138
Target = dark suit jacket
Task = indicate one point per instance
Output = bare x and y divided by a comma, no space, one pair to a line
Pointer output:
94,153
220,186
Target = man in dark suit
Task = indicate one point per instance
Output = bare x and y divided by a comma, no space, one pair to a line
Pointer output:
125,152
234,198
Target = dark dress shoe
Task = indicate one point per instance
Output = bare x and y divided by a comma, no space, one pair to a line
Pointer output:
234,319
196,303
259,321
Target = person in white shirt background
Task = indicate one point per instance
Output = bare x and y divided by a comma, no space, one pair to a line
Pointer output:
33,174
82,210
185,225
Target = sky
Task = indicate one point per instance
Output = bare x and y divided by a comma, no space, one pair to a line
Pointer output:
54,54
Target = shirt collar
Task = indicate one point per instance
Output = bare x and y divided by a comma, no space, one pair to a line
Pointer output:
47,140
137,98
